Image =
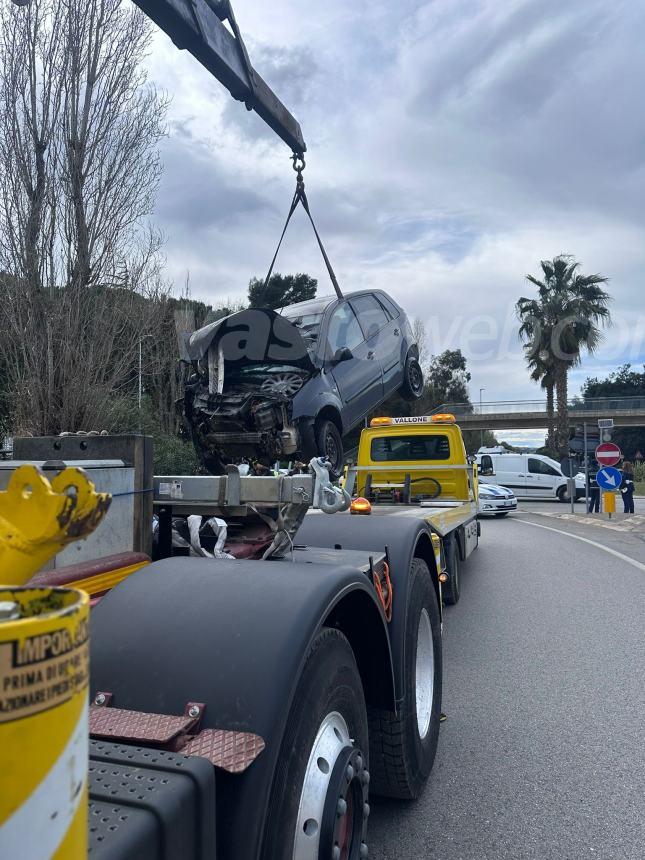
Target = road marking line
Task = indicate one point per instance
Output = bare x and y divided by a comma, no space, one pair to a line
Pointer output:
637,564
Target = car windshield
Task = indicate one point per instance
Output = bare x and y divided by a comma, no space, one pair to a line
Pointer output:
308,325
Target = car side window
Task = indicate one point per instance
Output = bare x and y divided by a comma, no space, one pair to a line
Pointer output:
343,329
538,467
389,306
371,315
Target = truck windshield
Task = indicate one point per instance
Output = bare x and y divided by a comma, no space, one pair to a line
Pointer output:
392,449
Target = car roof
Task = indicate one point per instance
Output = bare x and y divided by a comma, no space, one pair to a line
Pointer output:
321,303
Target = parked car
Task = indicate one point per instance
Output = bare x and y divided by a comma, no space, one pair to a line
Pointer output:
527,475
275,385
495,501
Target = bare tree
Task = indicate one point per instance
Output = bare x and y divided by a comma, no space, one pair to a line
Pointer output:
80,282
421,338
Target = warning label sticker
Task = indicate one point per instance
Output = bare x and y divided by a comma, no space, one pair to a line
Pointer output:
42,672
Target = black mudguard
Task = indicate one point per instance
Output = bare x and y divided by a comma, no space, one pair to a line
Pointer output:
234,635
405,537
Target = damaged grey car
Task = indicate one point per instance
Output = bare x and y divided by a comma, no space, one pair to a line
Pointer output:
268,386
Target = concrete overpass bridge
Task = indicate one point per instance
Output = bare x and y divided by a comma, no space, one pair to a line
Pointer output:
531,414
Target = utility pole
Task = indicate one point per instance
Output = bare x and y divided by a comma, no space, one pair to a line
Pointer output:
140,398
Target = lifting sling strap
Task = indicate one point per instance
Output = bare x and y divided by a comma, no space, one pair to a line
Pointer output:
301,197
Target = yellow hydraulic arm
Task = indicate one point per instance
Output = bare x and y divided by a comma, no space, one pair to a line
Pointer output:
39,518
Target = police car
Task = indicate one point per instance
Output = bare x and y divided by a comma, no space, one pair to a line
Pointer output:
496,501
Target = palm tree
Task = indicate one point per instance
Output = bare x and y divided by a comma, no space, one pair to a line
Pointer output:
542,372
563,320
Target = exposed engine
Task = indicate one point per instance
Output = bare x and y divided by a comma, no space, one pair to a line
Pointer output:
250,419
245,371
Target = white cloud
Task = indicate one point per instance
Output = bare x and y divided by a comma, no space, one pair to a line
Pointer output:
451,147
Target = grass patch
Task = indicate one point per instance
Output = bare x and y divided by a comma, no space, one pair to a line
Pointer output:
639,488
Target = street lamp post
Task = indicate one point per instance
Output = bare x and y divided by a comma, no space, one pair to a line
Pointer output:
480,413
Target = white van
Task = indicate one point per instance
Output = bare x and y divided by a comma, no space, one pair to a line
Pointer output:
529,476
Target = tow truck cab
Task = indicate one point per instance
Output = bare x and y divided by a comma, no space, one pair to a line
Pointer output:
414,459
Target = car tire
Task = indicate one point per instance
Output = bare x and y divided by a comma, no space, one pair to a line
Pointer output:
452,590
329,444
326,732
563,495
412,388
403,745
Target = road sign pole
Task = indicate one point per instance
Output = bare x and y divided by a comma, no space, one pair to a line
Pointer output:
586,467
572,487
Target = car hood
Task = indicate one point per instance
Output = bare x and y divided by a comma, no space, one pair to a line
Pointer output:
252,336
494,491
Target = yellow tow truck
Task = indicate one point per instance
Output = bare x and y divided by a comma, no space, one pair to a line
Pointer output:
418,466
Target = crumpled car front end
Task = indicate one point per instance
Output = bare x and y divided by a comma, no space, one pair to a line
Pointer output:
245,371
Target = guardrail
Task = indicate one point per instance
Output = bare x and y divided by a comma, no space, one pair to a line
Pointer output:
575,405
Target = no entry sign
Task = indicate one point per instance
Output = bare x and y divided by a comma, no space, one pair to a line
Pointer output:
608,454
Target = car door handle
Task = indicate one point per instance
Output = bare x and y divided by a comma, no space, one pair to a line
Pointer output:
521,476
370,354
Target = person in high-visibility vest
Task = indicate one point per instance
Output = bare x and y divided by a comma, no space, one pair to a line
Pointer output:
627,488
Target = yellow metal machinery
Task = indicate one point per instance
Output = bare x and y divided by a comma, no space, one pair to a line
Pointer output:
43,668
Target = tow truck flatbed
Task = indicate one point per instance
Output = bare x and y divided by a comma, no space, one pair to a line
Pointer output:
442,517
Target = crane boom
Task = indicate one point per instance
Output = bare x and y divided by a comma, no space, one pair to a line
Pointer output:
197,26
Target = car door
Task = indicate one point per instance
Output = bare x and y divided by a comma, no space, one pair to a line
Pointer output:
510,471
486,469
541,478
383,337
358,378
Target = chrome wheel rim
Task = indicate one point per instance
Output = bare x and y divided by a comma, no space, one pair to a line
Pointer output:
332,738
424,674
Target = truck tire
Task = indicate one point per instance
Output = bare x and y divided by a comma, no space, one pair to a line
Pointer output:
330,445
452,590
403,745
412,387
320,786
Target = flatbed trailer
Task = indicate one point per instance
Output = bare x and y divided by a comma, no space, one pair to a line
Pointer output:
244,709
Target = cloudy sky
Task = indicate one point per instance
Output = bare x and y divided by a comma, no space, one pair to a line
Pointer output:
452,145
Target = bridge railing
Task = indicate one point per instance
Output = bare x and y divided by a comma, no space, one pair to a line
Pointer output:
576,404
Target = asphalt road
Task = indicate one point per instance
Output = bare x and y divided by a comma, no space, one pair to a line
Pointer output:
543,752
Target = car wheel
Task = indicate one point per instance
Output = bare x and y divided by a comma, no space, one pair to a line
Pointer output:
403,744
330,446
412,387
563,495
319,799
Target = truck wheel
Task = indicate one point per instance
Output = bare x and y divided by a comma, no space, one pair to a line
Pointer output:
320,789
403,745
412,387
330,445
452,591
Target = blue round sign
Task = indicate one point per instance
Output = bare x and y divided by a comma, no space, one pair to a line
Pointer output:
609,478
